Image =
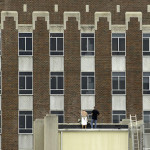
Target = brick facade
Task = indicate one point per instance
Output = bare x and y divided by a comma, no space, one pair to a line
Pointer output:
72,58
103,70
134,69
10,86
41,99
72,71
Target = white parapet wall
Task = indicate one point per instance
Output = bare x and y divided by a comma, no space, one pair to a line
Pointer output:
93,139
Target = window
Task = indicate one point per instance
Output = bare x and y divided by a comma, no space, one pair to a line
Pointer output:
56,44
146,82
87,43
118,83
25,121
118,44
0,83
25,43
57,83
87,81
117,116
25,83
60,115
146,118
146,43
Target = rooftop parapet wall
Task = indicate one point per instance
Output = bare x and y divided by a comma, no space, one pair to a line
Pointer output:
76,14
116,8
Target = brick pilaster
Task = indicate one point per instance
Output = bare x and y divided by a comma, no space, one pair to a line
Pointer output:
134,69
9,85
72,104
103,70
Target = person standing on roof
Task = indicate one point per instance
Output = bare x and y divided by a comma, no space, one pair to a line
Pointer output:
95,113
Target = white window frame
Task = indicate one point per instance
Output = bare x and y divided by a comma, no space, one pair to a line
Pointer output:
87,44
145,123
25,44
143,83
143,43
56,83
25,82
87,83
56,43
118,44
58,113
25,121
118,114
117,76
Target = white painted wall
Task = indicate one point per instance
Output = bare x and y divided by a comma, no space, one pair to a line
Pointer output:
146,102
119,102
25,141
56,102
25,102
25,63
146,62
56,63
87,64
87,102
118,64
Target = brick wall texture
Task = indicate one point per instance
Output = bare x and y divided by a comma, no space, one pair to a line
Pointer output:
10,86
72,63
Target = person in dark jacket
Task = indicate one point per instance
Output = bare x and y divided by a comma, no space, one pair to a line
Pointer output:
95,113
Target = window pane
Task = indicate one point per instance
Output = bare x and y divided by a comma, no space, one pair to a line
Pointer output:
60,82
21,121
60,44
91,44
21,82
146,83
90,82
145,44
122,82
84,82
53,43
60,119
53,82
29,44
121,44
28,121
29,82
122,117
115,118
114,44
115,82
84,44
21,44
146,119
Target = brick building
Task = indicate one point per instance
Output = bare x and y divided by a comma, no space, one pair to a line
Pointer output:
60,57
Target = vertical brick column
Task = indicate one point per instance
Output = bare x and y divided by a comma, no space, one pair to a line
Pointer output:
134,69
72,104
9,85
103,70
41,98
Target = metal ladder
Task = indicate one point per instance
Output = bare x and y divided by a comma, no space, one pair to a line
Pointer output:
134,133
